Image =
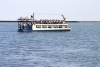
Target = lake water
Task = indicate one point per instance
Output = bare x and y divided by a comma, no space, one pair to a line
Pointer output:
79,47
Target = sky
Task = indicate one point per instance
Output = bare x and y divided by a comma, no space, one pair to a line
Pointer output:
73,10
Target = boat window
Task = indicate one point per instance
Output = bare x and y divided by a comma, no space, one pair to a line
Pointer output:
64,26
49,26
55,26
44,26
38,26
60,26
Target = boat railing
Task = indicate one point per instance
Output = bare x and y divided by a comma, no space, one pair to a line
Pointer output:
43,21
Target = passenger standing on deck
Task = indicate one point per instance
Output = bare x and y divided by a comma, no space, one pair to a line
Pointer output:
31,17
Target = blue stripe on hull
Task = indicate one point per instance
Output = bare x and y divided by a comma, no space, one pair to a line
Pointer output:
45,30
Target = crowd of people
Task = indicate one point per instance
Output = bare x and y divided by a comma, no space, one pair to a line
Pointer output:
26,18
48,21
42,21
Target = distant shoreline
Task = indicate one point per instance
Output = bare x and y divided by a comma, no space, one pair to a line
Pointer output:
29,21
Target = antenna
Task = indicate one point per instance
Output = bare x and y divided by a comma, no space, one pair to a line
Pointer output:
33,17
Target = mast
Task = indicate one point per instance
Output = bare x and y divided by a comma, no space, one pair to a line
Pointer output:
33,17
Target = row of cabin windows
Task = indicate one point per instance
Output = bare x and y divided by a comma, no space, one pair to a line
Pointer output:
49,26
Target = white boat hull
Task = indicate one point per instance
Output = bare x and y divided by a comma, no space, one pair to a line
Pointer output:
50,29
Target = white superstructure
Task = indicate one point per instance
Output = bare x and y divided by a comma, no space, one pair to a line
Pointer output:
52,27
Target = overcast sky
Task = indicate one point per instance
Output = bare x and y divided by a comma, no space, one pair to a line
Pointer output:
73,10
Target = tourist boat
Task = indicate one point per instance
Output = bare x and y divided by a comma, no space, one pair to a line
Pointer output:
42,25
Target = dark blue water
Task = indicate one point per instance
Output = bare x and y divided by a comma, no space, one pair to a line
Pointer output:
79,47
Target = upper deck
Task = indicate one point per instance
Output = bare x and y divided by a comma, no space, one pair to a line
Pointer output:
44,21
